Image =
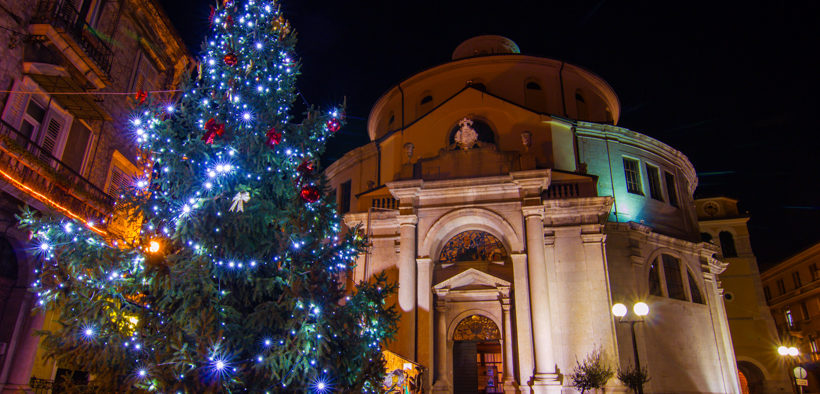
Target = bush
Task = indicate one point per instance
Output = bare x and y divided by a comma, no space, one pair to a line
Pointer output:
593,373
633,378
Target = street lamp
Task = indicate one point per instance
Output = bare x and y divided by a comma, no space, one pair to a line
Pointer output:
792,353
640,309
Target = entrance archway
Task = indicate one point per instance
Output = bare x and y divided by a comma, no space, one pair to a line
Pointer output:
477,356
751,378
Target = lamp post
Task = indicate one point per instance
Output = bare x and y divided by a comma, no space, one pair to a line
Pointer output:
792,353
640,309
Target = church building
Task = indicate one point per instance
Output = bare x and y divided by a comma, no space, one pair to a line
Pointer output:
512,211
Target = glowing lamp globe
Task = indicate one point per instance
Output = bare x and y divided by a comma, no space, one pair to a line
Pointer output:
619,310
783,351
641,309
793,351
153,247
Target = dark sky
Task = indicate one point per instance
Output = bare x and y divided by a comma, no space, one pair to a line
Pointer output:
733,85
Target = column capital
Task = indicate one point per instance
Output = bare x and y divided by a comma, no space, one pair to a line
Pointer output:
533,210
407,220
441,305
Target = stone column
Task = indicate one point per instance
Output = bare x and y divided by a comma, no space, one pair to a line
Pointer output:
425,321
546,378
509,379
523,322
442,380
407,286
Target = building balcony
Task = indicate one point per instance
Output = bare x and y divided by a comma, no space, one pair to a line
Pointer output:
59,22
31,170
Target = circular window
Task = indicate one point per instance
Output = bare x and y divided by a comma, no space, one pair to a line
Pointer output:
729,296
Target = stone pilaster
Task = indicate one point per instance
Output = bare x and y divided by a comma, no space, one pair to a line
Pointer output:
442,384
407,285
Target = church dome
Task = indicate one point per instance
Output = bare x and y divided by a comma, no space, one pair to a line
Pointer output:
485,45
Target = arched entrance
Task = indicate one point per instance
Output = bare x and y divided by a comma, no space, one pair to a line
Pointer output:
477,356
751,378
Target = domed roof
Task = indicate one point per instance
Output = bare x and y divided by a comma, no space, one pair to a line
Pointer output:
485,45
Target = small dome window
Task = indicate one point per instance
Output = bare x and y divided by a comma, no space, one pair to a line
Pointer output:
426,99
533,86
581,106
392,118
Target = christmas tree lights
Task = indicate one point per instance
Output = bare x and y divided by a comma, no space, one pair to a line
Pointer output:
236,277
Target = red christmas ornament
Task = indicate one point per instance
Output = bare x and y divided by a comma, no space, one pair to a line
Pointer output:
274,137
141,96
333,125
230,59
212,130
306,168
309,193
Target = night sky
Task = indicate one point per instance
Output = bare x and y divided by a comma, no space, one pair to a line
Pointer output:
732,86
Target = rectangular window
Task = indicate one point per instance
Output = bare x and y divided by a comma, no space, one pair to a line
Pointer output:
653,175
796,279
789,318
805,310
813,344
781,287
814,273
671,189
654,280
674,282
344,197
767,293
632,172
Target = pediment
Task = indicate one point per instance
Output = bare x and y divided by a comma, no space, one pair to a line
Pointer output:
471,279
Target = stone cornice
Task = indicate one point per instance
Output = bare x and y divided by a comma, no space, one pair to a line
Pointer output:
417,190
576,211
383,220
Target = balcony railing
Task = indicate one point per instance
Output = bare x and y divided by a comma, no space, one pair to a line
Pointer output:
37,170
559,190
62,15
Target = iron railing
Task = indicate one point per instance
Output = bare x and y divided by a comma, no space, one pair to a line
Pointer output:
62,15
41,386
37,169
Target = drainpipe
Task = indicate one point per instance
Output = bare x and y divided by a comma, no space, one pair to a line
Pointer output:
561,80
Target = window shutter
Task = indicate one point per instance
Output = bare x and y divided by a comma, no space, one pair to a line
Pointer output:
15,106
120,181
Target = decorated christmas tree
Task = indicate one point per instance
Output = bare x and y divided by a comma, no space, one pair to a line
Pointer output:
234,274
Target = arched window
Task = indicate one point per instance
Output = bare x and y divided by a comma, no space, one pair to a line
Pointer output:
697,297
654,280
425,104
534,96
727,244
426,99
581,105
476,328
674,279
473,245
706,237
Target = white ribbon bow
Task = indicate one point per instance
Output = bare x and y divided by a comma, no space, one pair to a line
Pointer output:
239,201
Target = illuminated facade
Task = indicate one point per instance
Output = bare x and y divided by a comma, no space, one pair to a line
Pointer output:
499,193
792,292
63,146
753,331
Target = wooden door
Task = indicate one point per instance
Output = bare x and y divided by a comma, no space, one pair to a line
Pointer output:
465,372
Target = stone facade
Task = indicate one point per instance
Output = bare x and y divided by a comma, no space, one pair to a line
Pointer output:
536,221
754,334
792,292
68,70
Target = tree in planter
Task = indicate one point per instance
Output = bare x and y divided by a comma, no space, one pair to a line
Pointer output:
593,373
633,378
